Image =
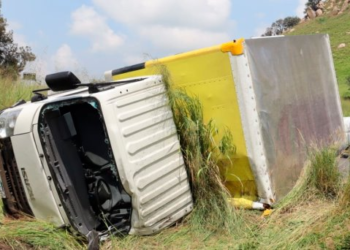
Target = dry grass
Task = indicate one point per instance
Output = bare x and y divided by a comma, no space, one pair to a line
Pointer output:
12,91
344,196
27,233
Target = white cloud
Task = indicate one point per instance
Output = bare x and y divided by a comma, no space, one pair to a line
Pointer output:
301,7
181,39
88,23
64,59
195,13
173,25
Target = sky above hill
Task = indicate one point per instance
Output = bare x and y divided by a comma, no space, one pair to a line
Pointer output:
92,36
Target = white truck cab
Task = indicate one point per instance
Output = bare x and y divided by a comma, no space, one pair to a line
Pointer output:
99,158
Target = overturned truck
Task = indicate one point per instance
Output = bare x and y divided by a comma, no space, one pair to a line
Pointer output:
105,158
276,95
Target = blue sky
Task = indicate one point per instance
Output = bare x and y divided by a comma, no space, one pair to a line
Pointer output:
91,36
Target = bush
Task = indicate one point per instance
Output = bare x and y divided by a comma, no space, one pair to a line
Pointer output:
290,22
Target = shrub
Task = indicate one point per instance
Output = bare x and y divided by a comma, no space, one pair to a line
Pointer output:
290,22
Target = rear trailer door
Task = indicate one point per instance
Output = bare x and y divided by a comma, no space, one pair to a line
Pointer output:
149,161
294,87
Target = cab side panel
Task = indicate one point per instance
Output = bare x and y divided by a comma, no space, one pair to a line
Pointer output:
150,162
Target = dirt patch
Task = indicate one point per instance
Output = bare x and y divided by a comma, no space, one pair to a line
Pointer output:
18,245
3,246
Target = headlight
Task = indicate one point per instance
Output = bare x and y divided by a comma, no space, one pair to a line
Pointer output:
8,121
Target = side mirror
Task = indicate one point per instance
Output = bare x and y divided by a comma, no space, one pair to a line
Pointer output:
60,81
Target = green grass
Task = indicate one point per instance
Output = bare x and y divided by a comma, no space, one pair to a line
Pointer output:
29,233
338,28
12,91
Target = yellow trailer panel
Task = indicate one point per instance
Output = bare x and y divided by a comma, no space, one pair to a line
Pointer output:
207,74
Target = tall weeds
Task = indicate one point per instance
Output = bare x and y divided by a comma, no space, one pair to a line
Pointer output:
12,91
320,177
324,174
202,152
344,197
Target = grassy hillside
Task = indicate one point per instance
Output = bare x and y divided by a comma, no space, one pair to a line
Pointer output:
338,28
